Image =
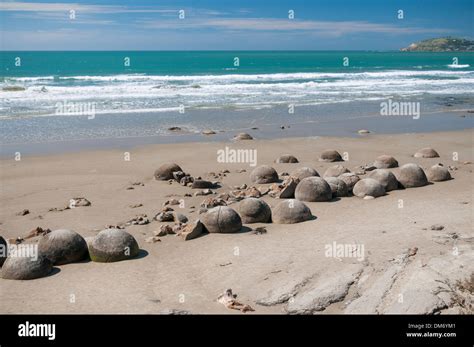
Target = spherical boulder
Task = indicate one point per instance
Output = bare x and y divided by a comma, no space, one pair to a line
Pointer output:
221,219
313,189
335,171
438,173
304,172
290,212
338,187
330,155
26,268
253,210
286,158
112,245
368,187
3,250
350,179
412,175
264,174
426,152
386,178
385,162
165,171
63,246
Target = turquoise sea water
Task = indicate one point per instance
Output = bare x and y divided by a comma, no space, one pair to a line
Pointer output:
143,93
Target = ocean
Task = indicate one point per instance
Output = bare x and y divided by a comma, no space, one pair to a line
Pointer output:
102,97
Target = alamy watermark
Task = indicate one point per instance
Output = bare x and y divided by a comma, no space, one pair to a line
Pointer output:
68,108
345,250
22,250
400,108
229,155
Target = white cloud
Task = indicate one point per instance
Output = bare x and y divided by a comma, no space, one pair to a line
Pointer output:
333,28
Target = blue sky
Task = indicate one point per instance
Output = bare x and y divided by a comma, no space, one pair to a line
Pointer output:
229,25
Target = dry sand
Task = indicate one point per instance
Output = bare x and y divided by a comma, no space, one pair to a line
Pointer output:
286,268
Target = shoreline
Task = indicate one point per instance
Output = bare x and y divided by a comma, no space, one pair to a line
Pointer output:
325,126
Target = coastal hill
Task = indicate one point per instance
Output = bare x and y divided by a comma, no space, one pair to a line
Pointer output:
442,44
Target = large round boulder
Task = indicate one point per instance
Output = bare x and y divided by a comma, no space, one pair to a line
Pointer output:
304,172
253,210
3,250
290,212
426,153
335,171
264,174
112,245
412,175
286,158
63,246
386,178
313,189
330,155
385,162
26,268
221,219
338,187
438,173
350,179
368,187
165,171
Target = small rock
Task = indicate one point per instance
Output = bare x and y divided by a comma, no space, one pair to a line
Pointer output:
437,227
23,213
208,132
165,171
363,131
152,239
136,205
164,217
243,136
192,230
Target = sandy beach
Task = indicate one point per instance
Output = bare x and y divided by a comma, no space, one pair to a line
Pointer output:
407,267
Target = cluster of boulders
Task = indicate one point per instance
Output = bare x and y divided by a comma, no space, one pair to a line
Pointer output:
63,246
304,184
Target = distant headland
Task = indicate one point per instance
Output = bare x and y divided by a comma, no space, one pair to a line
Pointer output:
441,44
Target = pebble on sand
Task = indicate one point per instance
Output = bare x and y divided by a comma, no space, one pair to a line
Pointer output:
221,219
286,158
363,131
335,171
338,187
264,174
386,178
165,171
290,212
385,162
313,189
411,176
304,172
202,184
368,187
26,268
243,136
63,246
426,152
330,155
112,245
438,173
253,210
192,230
